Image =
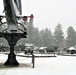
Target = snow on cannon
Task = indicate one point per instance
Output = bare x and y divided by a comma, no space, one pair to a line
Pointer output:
15,30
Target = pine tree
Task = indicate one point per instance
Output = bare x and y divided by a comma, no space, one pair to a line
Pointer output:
71,36
58,35
46,37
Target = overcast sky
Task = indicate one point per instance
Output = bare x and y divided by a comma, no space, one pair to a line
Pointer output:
48,13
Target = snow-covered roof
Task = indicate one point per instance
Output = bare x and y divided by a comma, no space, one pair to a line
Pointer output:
43,47
72,48
27,44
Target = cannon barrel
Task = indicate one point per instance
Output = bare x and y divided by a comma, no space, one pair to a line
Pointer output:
12,8
9,12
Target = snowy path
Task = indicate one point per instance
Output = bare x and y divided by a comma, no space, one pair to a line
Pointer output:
60,65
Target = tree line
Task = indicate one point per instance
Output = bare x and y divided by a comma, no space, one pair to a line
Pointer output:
48,38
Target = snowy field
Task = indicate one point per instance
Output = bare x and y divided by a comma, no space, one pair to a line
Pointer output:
60,65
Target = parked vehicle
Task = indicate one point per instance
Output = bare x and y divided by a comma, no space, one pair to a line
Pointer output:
4,48
42,50
29,48
71,50
50,49
19,47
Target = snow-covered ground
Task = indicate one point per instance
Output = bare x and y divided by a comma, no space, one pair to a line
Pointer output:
60,65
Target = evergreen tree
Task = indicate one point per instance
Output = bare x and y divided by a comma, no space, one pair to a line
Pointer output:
58,35
36,36
46,37
71,36
30,33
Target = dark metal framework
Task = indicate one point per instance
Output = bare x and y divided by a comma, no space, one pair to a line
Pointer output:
12,9
12,37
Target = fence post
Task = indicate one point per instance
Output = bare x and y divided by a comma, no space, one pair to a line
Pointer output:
33,61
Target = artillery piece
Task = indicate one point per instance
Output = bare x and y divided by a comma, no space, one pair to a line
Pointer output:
12,33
